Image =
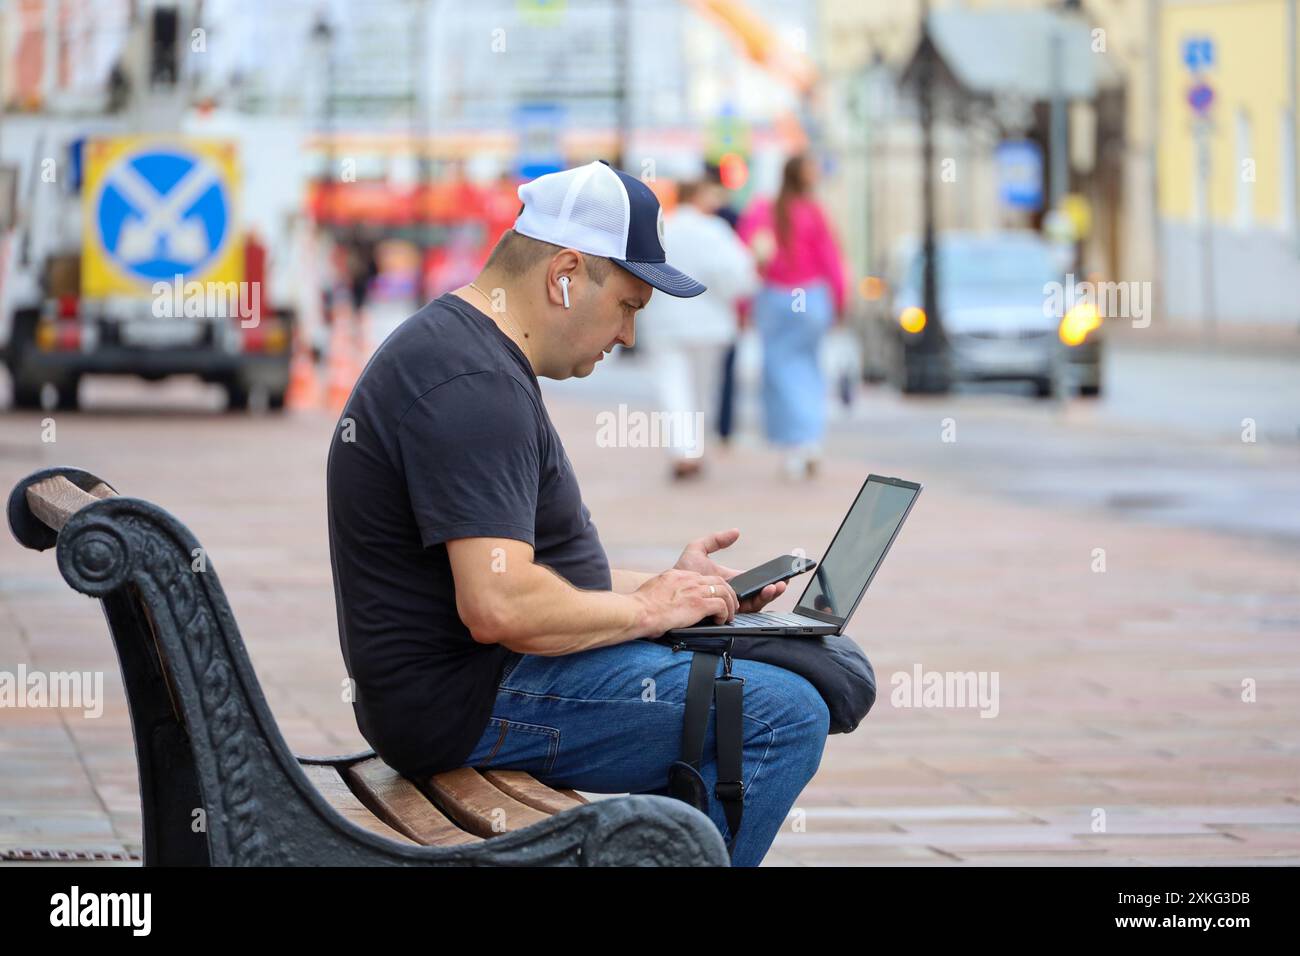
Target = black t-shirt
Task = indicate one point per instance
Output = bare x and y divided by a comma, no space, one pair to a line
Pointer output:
445,436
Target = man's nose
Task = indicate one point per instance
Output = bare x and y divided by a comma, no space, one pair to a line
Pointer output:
628,335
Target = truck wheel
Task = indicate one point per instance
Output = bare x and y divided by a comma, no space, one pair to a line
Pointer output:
22,336
26,396
68,400
236,397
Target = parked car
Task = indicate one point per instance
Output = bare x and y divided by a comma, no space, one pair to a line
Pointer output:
999,313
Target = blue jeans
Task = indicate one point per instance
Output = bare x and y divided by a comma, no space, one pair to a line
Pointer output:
609,720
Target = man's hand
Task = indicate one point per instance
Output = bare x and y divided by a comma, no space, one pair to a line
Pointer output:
696,558
682,598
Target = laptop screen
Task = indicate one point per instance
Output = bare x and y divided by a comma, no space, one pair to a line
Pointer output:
858,548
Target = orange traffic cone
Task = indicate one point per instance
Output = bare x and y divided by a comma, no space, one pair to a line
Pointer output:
304,389
343,369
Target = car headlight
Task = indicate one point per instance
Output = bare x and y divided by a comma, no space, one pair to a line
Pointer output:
1078,322
912,319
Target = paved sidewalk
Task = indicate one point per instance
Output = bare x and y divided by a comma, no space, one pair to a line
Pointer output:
1120,692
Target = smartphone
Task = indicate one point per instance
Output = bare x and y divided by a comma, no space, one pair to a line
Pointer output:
749,583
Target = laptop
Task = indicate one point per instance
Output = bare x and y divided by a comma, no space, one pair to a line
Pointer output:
839,582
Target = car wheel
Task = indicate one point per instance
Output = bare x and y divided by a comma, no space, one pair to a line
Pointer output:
1090,391
1044,387
873,374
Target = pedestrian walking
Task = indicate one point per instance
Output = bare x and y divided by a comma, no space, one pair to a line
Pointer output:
686,340
803,294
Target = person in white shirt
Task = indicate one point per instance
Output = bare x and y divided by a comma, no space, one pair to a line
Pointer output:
685,339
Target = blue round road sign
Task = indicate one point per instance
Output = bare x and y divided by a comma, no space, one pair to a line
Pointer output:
163,212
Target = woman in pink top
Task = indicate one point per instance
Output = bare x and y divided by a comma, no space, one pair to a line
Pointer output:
803,294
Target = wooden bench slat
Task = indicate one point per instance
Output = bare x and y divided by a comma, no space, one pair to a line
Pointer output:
476,804
400,804
526,788
55,500
336,792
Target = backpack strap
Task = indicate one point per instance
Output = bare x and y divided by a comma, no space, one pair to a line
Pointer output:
726,693
728,696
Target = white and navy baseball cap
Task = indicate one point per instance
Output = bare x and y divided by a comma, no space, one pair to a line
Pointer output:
603,211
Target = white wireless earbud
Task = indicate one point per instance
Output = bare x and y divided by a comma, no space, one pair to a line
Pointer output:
564,287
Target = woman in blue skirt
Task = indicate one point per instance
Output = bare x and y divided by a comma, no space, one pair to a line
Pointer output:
803,294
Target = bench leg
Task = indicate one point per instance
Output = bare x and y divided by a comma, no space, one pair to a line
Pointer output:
169,784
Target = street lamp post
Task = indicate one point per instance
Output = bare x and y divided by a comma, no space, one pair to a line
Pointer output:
624,96
925,360
322,39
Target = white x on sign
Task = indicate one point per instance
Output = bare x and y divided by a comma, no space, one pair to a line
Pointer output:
162,217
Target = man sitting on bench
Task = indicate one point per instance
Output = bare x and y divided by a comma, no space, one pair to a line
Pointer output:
479,619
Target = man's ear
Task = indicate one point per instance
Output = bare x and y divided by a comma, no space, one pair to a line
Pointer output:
566,262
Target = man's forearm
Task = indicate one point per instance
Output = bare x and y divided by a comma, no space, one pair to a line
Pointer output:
544,614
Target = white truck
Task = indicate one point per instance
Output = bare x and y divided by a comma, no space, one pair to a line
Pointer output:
135,265
122,246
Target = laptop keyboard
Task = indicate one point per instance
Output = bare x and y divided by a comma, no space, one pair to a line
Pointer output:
759,619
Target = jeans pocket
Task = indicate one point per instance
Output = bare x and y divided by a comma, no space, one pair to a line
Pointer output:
521,746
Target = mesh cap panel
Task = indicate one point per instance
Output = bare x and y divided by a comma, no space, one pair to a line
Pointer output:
585,208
